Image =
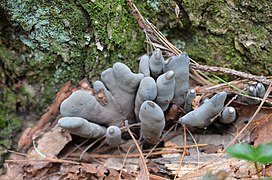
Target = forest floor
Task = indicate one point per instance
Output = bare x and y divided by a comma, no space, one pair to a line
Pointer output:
46,151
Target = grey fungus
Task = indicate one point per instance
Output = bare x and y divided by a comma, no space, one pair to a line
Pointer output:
188,101
260,90
152,122
156,63
180,65
113,136
119,85
251,91
228,115
82,127
121,94
165,86
202,116
82,104
144,65
147,91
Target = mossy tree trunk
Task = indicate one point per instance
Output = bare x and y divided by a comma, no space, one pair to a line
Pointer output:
46,43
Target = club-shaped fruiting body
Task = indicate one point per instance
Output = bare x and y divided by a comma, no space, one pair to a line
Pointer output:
82,127
120,77
119,85
260,90
201,117
152,122
251,91
165,86
228,115
156,63
146,91
189,99
82,104
113,136
180,65
144,65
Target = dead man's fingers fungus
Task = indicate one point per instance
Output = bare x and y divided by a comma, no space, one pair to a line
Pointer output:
201,116
189,99
82,127
180,65
228,115
113,136
165,86
156,63
152,122
146,91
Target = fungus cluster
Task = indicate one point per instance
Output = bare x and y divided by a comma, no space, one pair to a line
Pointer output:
140,97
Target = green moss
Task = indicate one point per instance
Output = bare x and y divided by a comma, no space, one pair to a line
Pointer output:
45,44
9,123
227,34
60,41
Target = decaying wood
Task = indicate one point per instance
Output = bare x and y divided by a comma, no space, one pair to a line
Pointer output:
232,167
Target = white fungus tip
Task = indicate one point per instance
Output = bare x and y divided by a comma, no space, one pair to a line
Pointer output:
231,110
169,75
158,54
111,131
192,91
251,88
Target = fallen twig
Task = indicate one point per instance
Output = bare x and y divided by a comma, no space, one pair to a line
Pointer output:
42,160
144,154
183,153
124,162
139,149
232,72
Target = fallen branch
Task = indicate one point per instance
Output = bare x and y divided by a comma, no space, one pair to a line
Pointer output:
232,72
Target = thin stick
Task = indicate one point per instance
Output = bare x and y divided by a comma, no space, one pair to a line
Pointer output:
231,72
85,150
198,155
74,149
139,149
41,160
124,162
183,153
18,153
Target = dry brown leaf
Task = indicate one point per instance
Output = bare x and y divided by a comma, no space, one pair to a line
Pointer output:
263,130
173,113
50,144
196,102
89,168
